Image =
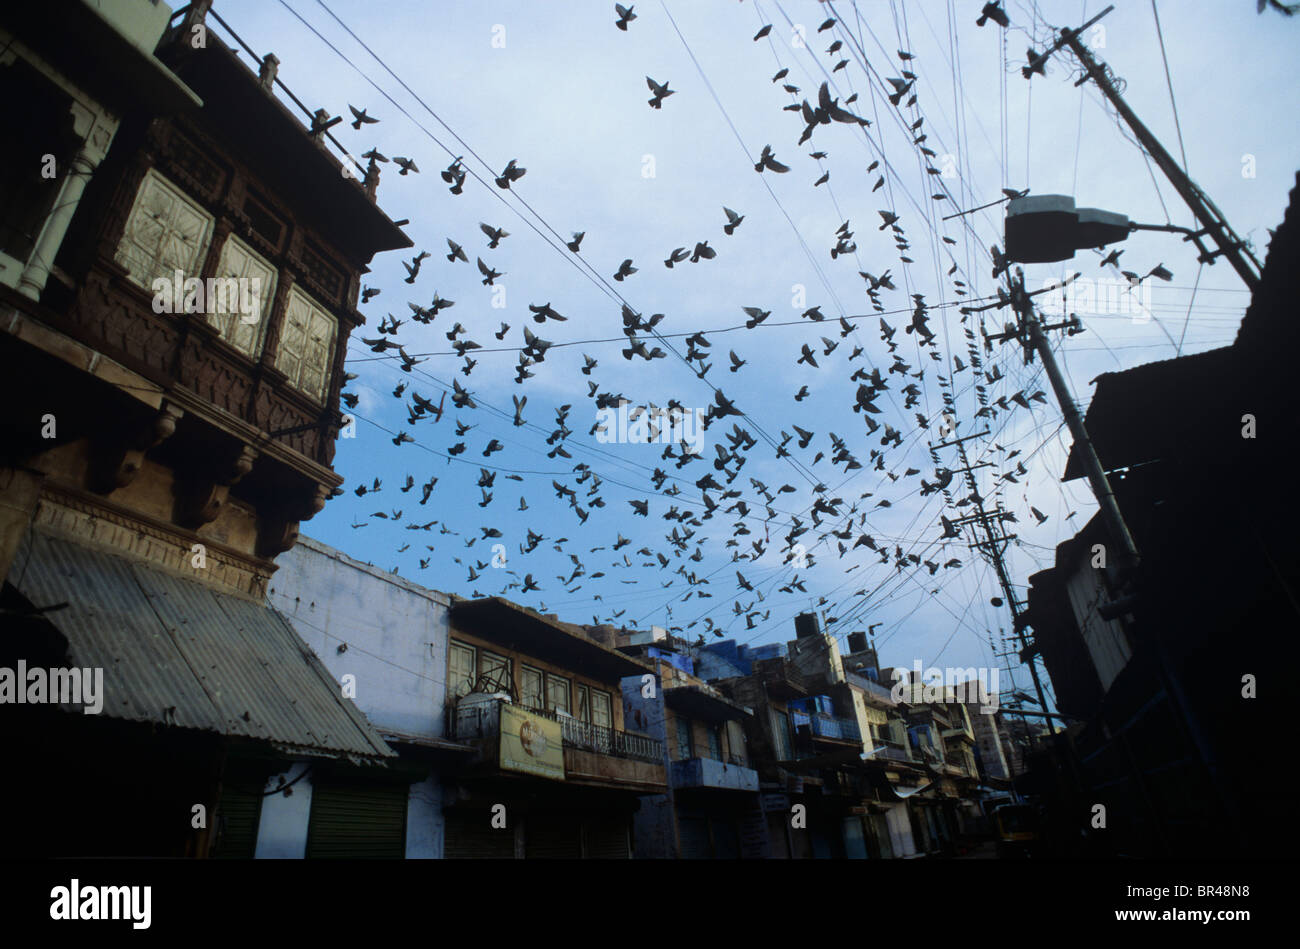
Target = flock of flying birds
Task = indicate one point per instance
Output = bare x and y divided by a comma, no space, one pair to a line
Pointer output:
699,491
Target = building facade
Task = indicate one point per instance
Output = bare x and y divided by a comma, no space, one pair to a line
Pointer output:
163,447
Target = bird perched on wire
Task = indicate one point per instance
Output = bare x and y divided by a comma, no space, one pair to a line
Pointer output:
360,117
661,92
574,244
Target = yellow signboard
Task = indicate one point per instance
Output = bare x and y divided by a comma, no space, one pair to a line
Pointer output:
531,744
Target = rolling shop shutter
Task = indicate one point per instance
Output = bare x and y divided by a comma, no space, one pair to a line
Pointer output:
726,838
469,835
694,834
606,838
776,833
357,821
552,837
238,815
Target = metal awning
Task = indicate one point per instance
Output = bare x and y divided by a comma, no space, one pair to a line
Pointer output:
891,792
177,652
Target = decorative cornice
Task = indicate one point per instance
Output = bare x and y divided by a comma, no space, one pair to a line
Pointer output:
98,522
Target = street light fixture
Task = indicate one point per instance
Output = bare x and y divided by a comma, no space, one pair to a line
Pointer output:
1046,228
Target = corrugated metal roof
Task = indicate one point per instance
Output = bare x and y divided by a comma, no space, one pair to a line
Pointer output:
178,652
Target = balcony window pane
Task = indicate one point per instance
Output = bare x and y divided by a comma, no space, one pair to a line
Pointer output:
306,350
715,743
557,694
601,710
781,735
684,744
494,671
242,330
460,670
165,232
584,703
530,688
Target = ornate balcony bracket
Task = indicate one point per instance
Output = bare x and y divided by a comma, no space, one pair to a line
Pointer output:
279,535
199,501
118,458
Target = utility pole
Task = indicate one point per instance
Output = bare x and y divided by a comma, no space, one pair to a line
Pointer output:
993,545
1031,332
1211,219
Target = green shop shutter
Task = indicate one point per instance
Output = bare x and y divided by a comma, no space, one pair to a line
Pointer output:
238,815
469,835
357,821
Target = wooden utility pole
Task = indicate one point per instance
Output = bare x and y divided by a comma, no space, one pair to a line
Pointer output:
993,545
1030,331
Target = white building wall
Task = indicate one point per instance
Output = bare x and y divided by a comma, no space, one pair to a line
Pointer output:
1105,639
424,826
395,632
282,830
396,636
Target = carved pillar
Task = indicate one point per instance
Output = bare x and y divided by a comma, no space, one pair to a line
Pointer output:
97,130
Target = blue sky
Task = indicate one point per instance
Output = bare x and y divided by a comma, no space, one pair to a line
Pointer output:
558,88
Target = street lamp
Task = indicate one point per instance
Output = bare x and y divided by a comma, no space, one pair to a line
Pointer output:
1045,228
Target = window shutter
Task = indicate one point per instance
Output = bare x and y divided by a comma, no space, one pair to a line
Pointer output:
165,232
244,331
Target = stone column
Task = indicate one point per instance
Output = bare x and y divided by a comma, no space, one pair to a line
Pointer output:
97,130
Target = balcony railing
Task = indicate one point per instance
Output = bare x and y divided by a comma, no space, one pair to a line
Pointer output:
892,750
483,721
827,726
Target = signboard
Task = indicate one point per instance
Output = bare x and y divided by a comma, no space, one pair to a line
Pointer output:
531,744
